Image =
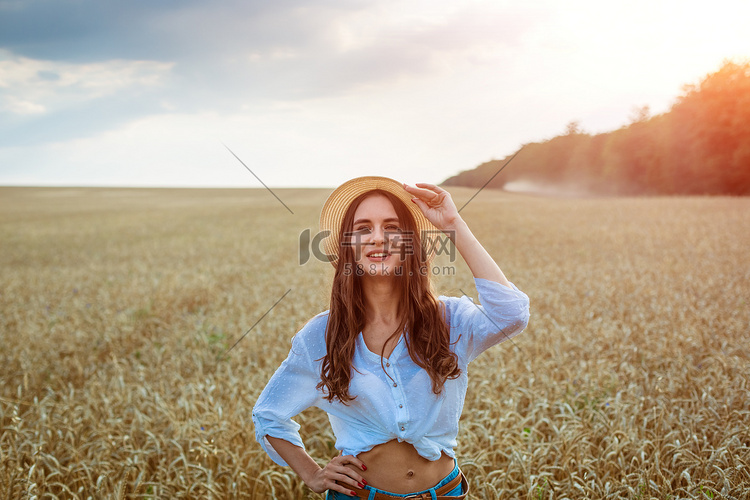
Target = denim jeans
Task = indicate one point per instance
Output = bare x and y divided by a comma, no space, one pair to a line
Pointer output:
335,495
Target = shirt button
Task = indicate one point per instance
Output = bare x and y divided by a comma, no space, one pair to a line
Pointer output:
395,384
400,406
387,364
402,428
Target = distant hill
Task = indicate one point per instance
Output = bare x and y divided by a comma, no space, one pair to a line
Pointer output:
700,146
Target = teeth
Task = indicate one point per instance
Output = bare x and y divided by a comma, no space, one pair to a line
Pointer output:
378,255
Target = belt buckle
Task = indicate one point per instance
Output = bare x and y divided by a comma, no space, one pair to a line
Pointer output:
418,496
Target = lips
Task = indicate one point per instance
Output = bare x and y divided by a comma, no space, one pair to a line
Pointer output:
378,255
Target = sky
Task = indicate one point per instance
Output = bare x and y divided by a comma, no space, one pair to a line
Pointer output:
312,93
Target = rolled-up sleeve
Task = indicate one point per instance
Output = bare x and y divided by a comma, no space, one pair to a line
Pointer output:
502,314
291,390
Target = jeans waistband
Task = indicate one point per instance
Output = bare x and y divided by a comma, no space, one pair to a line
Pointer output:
334,495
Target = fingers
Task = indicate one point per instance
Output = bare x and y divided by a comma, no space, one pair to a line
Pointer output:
421,204
425,187
420,192
346,489
432,187
431,194
341,478
351,459
435,203
356,462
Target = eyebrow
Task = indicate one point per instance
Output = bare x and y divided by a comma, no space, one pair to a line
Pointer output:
390,219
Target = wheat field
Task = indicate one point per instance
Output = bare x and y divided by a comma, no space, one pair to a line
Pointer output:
118,309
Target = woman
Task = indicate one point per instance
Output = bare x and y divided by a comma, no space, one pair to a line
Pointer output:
388,361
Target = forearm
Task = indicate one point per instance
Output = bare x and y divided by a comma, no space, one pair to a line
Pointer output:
335,476
297,458
480,262
438,207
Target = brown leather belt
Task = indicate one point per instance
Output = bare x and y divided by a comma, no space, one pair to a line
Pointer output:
440,492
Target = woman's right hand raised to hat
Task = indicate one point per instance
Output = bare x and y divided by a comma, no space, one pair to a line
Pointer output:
437,205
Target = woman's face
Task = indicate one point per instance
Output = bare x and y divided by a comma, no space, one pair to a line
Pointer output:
377,239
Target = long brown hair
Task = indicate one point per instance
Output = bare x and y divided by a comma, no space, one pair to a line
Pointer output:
420,312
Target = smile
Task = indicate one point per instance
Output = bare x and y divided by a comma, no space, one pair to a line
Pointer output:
378,255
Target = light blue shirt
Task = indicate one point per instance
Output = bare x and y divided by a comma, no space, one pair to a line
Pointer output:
393,400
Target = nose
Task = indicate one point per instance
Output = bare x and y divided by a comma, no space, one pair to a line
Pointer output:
378,235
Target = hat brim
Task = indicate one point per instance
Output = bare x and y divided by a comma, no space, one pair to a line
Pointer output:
332,214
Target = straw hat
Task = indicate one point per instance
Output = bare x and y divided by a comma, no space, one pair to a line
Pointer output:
338,202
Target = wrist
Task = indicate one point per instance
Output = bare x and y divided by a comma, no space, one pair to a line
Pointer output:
456,227
310,475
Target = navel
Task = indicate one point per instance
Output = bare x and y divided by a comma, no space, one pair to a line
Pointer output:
410,474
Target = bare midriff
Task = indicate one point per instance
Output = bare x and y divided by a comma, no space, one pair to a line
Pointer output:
397,467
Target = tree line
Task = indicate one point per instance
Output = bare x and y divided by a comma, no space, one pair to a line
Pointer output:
700,146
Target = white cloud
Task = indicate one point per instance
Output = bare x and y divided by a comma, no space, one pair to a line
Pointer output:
21,107
32,86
